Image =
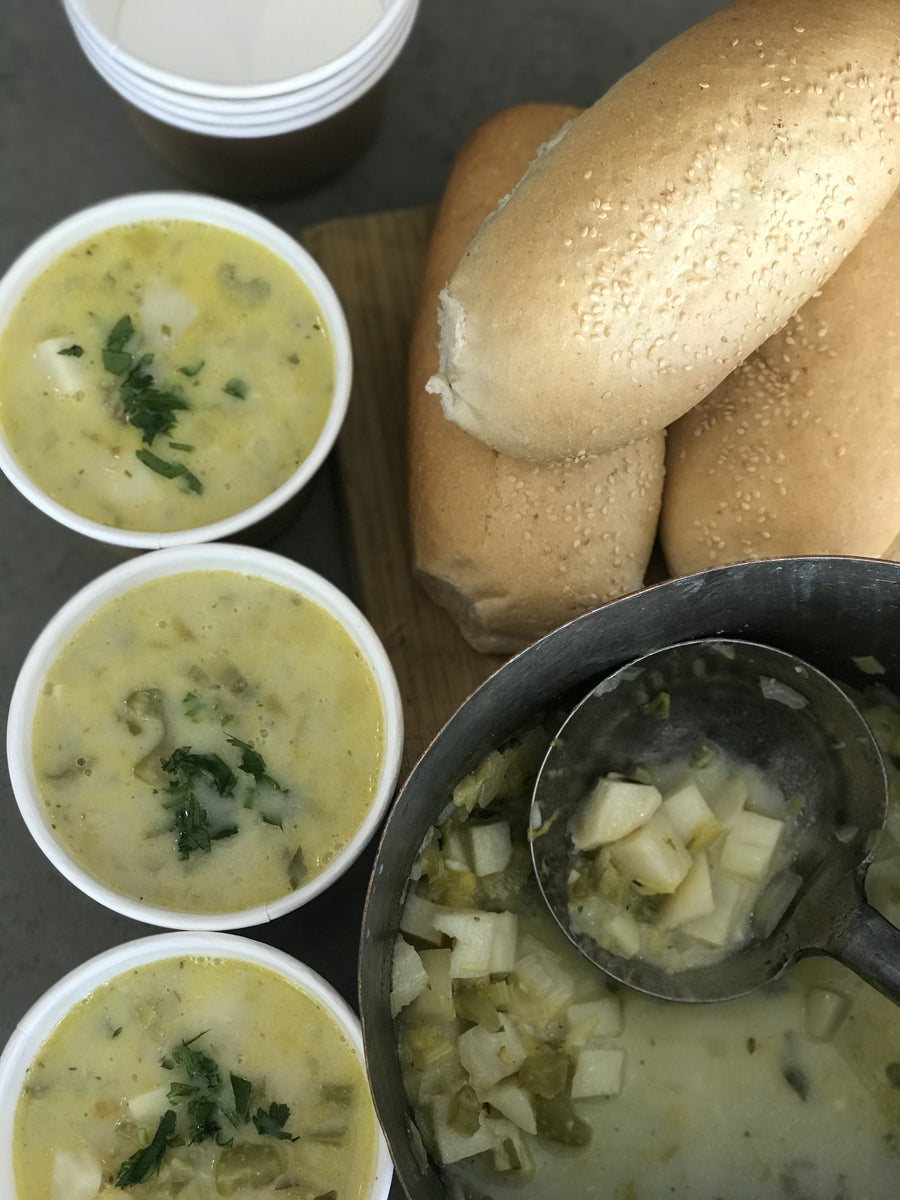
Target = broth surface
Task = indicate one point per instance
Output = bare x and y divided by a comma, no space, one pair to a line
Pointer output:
228,327
208,663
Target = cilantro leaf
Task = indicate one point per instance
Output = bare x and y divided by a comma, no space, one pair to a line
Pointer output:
253,763
170,470
73,351
271,1122
144,1163
237,388
183,762
241,1089
191,369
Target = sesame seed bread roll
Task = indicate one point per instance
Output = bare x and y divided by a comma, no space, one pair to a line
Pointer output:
798,451
673,227
513,549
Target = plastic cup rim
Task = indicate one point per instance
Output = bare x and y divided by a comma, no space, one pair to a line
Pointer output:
213,121
173,80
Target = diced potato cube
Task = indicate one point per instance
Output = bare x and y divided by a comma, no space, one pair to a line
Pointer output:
417,919
653,857
76,1175
435,1001
149,1105
824,1012
489,1057
728,799
65,372
731,898
692,898
165,314
612,810
408,976
450,1145
597,1073
514,1103
503,944
692,818
750,845
593,1019
472,932
490,847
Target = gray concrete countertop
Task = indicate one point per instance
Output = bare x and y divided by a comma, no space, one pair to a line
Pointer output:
66,141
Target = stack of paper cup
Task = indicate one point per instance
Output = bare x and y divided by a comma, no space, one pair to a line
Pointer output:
249,97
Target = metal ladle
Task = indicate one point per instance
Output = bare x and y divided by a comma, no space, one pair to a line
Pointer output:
774,712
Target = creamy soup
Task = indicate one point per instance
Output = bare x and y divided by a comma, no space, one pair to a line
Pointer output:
198,1078
208,741
164,375
530,1074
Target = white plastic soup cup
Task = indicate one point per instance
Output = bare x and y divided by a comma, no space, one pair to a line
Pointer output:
45,1014
207,210
123,578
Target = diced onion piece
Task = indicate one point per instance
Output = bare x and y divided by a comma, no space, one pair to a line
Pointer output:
514,1103
773,902
598,1072
490,847
435,1001
824,1011
593,1019
612,810
417,919
408,976
489,1057
450,1145
750,845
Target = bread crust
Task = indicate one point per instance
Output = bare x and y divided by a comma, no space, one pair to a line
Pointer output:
513,549
676,225
798,451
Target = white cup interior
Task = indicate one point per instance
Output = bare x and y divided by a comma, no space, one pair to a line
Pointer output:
40,1020
212,211
348,61
121,579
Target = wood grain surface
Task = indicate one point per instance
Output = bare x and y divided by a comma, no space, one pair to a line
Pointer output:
375,264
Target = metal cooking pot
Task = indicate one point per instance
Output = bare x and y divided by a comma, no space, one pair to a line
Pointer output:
828,610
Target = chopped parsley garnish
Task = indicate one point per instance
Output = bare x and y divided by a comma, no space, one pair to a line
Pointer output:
271,1123
204,1107
237,388
143,1164
149,407
189,773
71,351
171,470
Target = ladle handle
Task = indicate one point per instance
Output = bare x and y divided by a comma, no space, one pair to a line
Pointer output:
871,948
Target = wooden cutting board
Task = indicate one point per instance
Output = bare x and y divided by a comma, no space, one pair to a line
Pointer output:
375,264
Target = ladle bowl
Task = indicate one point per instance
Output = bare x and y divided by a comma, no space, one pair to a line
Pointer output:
776,714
